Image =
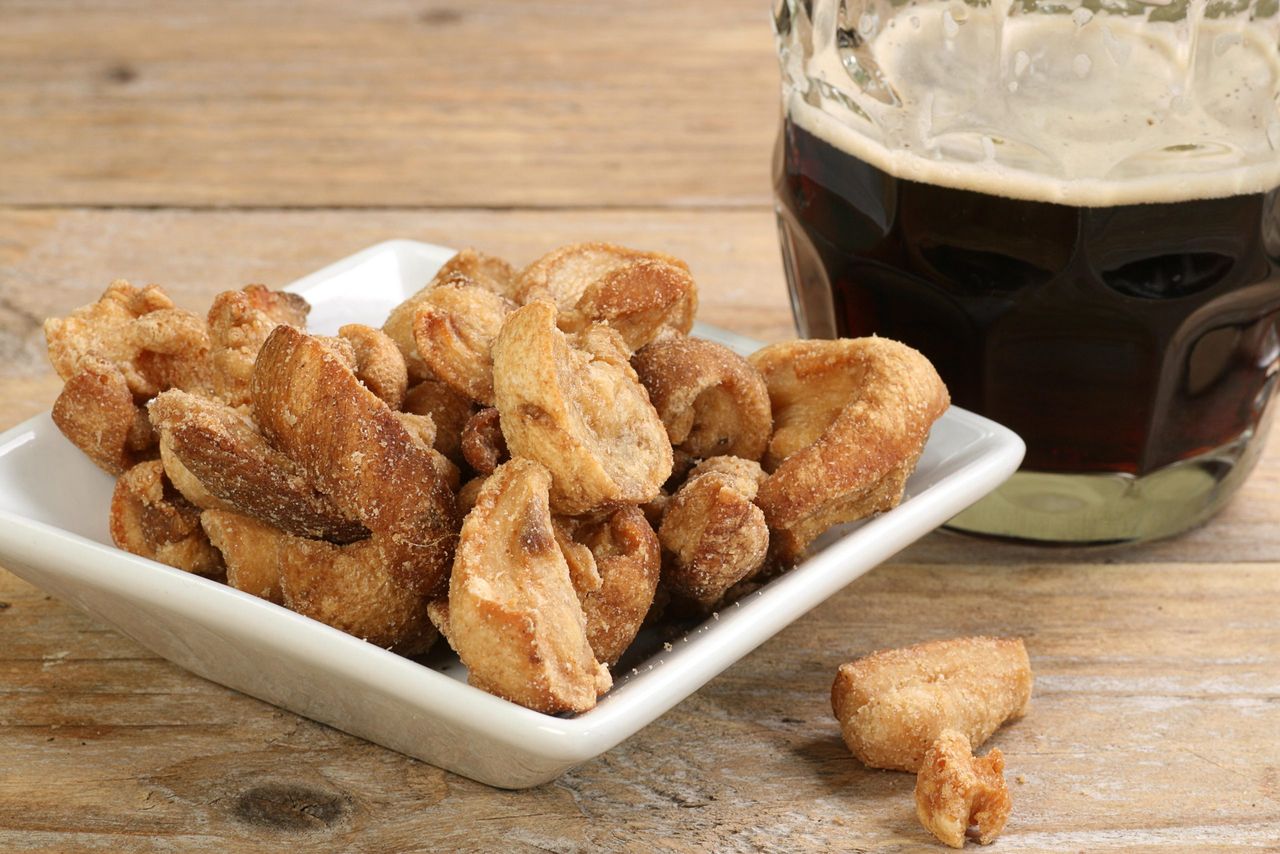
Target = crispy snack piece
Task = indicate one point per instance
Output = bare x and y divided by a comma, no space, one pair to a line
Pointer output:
956,789
354,588
617,589
582,413
448,410
711,400
150,518
482,444
187,484
894,703
851,418
235,465
454,329
154,345
468,493
642,295
514,617
379,364
488,272
714,536
239,321
352,446
251,551
564,274
643,301
438,613
97,413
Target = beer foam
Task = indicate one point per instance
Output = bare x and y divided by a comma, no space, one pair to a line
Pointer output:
1081,108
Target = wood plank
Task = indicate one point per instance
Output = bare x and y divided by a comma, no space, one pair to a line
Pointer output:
386,102
1153,722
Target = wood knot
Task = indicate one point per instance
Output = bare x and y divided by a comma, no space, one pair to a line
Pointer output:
121,73
289,806
440,17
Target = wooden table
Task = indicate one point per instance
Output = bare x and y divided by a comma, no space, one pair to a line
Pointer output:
207,145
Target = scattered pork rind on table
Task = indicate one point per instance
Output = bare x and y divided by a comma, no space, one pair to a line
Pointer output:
530,463
924,709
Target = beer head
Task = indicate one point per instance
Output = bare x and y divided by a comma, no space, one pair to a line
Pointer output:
1047,102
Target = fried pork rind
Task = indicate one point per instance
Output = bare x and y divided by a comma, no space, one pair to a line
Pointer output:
468,493
956,790
235,465
482,444
642,295
355,450
488,272
150,518
251,550
97,413
239,321
379,364
154,345
454,329
617,589
711,400
355,588
581,413
851,418
448,410
893,704
514,617
714,535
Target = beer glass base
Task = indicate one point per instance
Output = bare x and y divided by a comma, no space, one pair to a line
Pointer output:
1114,508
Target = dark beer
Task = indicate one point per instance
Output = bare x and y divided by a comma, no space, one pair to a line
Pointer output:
1112,339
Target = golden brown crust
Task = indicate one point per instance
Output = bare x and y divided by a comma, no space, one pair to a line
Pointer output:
239,321
449,412
489,272
625,563
231,460
438,613
352,588
150,518
453,331
482,444
564,274
956,790
97,413
154,345
642,295
251,549
643,301
583,414
711,400
360,589
468,493
893,704
514,617
379,364
714,536
851,418
352,446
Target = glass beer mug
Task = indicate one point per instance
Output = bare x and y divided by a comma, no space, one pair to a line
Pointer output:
1069,207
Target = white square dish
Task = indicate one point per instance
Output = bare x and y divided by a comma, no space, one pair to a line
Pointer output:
53,533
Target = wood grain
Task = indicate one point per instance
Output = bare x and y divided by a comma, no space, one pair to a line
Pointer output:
1153,723
386,102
